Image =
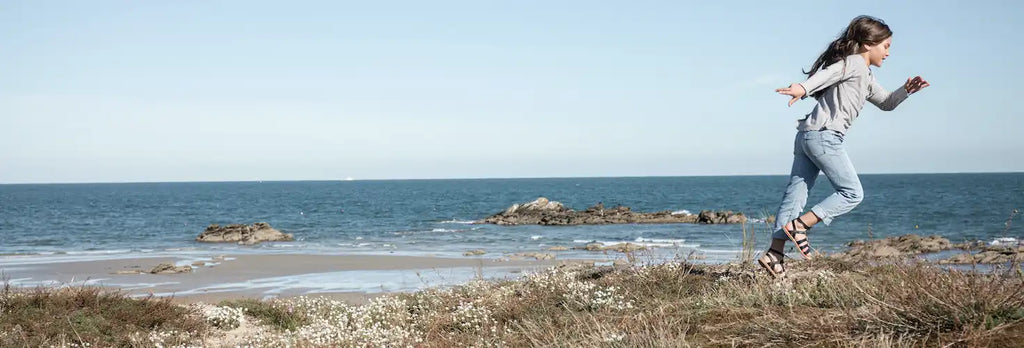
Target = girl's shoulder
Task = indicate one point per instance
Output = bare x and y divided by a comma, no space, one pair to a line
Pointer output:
856,65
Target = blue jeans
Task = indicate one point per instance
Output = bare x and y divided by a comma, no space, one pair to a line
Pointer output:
814,152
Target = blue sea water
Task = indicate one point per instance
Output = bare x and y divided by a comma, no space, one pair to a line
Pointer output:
433,216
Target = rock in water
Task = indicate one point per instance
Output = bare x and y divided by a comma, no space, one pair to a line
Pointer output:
166,268
243,234
720,217
537,256
910,244
544,212
990,254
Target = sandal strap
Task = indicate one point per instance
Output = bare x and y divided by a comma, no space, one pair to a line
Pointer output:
801,221
804,245
774,262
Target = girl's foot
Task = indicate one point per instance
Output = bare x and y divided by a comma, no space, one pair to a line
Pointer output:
772,261
796,230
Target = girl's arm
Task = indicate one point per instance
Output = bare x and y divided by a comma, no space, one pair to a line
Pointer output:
888,101
821,79
826,77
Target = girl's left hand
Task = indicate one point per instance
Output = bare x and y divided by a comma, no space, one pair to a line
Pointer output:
915,84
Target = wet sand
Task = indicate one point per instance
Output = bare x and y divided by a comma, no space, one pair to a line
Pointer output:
353,278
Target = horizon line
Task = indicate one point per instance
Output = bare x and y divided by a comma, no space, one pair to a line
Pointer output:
463,178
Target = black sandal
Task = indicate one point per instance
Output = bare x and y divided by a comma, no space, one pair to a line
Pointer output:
770,260
802,244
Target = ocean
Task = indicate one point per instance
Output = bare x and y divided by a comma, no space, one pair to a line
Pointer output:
433,217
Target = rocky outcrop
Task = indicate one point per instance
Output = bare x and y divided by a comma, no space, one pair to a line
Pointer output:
620,247
990,254
243,234
531,255
910,244
166,268
163,268
720,217
545,212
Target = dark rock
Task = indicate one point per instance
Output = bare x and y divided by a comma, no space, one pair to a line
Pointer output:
720,217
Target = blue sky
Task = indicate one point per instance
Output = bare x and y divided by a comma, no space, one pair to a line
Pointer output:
113,91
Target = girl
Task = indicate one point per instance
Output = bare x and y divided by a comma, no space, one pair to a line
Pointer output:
840,81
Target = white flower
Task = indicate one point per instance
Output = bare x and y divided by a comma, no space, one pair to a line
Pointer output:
614,337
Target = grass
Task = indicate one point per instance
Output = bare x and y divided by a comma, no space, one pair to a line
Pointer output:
279,315
89,316
824,302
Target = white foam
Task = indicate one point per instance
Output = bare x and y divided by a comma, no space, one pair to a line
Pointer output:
681,212
655,240
99,252
536,237
1005,241
137,286
22,260
28,282
456,221
444,230
650,243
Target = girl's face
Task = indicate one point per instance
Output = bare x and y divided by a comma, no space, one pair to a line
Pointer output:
878,53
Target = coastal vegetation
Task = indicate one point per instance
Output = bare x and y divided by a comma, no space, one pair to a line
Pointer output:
826,301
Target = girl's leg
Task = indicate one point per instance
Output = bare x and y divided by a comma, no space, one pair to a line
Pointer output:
828,153
801,179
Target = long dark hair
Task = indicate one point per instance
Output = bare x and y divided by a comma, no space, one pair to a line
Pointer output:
864,30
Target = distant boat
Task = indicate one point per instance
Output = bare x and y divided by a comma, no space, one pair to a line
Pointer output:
349,179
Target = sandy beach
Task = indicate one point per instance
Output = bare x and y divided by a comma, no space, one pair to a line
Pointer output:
353,278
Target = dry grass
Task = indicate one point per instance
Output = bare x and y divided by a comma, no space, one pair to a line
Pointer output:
278,314
825,302
89,316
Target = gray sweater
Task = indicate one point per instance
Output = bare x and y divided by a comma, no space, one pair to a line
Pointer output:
846,84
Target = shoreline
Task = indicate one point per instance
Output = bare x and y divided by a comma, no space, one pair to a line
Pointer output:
204,276
353,278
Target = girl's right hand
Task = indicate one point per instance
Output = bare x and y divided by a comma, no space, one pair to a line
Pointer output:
795,90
